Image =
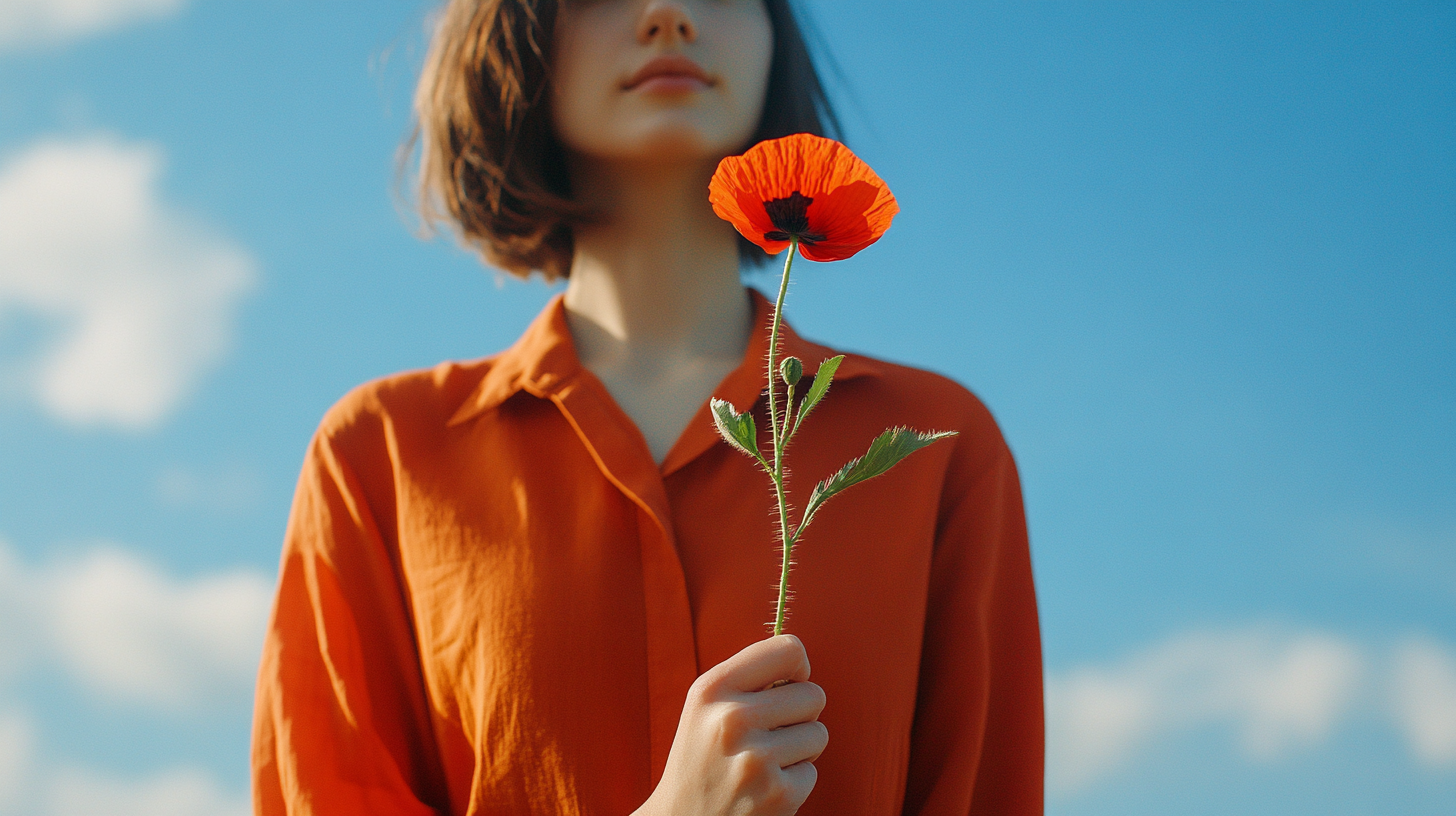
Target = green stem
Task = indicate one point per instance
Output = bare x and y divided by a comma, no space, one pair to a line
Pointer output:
779,430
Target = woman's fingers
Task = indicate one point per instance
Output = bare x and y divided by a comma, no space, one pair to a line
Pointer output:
795,744
740,742
788,705
800,779
761,663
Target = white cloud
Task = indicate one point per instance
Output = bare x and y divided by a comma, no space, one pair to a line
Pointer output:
1278,691
16,640
16,739
130,632
180,792
31,23
1424,697
29,788
144,297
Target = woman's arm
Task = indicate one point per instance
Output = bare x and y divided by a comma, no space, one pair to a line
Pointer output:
977,743
341,723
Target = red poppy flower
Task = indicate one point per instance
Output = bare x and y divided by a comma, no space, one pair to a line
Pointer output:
805,187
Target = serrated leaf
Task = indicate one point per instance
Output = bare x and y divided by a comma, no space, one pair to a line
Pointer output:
819,388
738,429
888,450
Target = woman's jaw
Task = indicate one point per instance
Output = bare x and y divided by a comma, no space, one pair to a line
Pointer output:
647,82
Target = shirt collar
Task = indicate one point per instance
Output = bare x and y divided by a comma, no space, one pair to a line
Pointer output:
543,361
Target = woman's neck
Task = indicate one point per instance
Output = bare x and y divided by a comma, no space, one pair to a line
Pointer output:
657,278
655,304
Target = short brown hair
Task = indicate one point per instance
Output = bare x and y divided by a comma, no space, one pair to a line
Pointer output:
490,166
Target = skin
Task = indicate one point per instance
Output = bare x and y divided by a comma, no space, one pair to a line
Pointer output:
659,315
654,302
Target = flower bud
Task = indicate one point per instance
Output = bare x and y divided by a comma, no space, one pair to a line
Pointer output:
791,370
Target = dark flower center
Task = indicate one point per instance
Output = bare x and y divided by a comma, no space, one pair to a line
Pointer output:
791,216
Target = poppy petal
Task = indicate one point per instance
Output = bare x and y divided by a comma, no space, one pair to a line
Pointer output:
851,206
733,194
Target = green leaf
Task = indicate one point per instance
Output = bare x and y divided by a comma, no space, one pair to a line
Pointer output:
738,429
888,449
822,379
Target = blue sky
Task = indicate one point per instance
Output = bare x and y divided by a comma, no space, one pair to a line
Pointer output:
1198,258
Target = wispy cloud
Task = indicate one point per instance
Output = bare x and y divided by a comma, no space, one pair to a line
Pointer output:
131,633
16,740
28,787
143,296
1424,699
36,23
1277,691
178,792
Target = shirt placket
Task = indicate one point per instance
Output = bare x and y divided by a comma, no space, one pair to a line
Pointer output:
624,460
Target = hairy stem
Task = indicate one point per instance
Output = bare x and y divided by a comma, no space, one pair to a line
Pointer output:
780,430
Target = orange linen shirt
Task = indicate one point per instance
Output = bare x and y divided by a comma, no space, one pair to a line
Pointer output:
492,601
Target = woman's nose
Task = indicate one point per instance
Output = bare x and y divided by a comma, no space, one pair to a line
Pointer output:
663,19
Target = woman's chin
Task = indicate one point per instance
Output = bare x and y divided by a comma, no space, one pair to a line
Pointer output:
678,139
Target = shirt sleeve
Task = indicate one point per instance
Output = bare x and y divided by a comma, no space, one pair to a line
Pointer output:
341,721
978,739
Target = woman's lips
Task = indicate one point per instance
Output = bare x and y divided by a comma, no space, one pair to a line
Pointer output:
669,74
670,83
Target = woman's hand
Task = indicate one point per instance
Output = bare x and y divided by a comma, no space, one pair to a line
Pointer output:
743,747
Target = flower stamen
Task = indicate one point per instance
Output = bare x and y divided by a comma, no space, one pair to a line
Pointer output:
791,216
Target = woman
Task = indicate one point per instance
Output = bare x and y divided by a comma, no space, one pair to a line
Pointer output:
536,583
